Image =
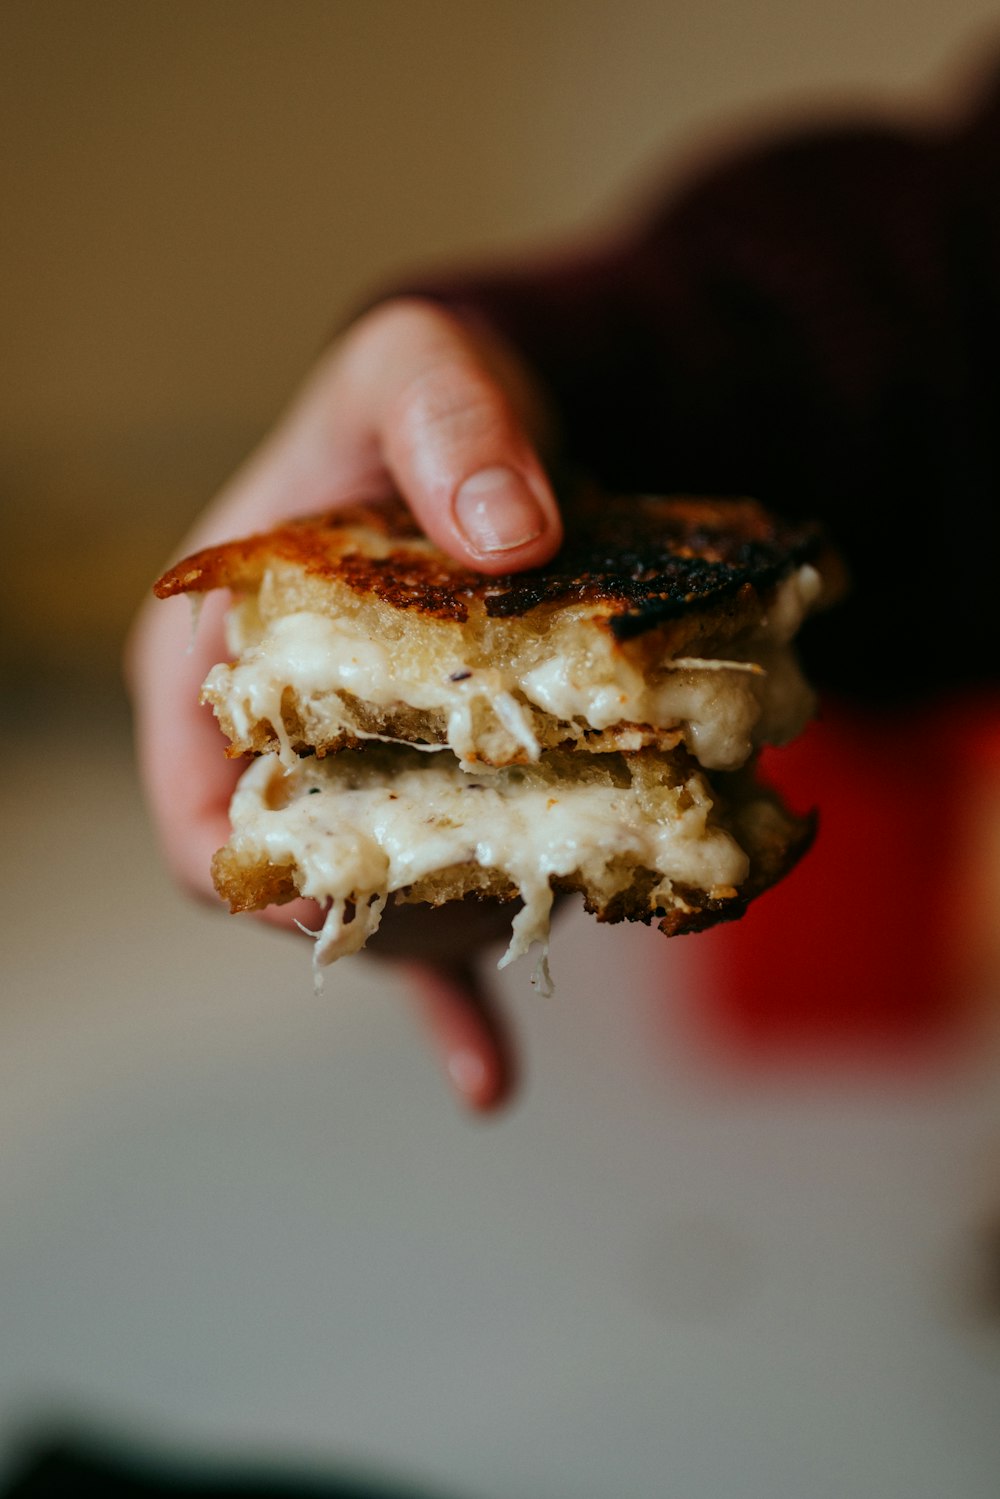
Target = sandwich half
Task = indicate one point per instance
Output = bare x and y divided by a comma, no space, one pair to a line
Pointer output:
421,731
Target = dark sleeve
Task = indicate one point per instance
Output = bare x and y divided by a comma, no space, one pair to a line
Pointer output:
816,323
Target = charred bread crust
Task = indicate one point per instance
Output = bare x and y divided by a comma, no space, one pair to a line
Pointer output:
640,562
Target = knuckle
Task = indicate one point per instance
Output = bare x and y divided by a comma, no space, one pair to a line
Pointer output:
452,404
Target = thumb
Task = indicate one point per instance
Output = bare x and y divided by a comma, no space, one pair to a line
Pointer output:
444,415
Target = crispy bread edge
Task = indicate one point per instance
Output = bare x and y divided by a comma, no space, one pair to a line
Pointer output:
639,562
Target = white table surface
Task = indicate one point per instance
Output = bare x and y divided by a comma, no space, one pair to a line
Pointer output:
239,1220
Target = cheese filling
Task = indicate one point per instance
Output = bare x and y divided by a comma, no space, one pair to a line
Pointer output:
724,707
357,827
319,657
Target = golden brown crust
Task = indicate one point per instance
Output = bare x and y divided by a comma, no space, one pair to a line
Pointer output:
252,886
640,561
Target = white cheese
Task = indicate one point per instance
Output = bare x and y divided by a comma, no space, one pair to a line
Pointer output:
358,827
320,657
725,708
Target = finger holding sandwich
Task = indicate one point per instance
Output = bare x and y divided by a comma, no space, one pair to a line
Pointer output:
410,403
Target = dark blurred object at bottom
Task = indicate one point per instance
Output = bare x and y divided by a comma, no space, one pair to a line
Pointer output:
68,1468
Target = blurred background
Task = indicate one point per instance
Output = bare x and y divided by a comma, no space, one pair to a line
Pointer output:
238,1223
196,194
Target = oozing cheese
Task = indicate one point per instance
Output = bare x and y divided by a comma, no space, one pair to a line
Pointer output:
357,827
318,657
724,707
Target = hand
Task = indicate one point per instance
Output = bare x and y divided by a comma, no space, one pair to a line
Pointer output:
409,402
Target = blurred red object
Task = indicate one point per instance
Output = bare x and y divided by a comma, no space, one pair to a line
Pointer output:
870,944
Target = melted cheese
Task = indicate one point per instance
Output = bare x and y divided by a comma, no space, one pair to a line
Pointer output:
725,708
358,827
319,657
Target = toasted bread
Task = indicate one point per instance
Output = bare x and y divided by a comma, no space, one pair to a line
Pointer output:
660,622
641,837
546,731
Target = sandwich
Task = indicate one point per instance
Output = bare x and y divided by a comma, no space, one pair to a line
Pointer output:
419,731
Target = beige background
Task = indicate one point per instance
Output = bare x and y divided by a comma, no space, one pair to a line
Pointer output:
195,191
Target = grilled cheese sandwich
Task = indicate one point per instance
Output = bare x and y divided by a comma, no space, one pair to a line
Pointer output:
424,732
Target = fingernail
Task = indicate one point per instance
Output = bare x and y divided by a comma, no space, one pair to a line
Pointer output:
496,511
468,1072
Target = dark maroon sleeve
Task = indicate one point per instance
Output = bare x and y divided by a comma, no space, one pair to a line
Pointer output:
816,323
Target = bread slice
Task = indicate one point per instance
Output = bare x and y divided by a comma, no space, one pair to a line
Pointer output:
643,837
661,623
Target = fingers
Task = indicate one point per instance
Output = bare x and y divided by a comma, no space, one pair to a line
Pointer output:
410,403
413,403
456,1007
457,453
467,1031
188,779
451,421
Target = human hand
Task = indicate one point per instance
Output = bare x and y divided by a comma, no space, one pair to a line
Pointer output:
410,402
